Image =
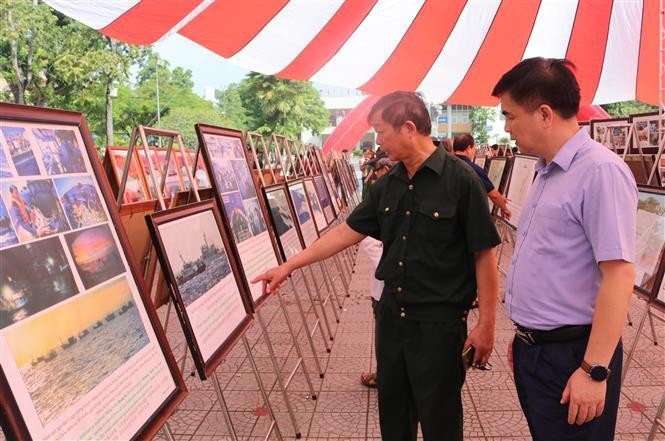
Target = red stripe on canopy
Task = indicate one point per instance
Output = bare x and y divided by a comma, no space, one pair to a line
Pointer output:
352,127
588,41
225,27
411,59
149,20
495,57
647,69
589,112
328,41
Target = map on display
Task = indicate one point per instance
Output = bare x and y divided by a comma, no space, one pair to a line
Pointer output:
650,241
519,183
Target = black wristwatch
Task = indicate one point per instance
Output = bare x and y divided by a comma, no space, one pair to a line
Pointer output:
596,372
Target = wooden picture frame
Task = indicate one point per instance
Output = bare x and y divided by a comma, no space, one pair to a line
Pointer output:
646,126
243,212
206,286
481,161
303,210
650,241
136,188
518,183
283,220
497,172
324,199
327,178
320,219
617,140
173,182
97,302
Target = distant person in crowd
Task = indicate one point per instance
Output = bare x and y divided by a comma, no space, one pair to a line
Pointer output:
447,144
515,150
366,170
571,277
430,212
494,150
374,248
464,148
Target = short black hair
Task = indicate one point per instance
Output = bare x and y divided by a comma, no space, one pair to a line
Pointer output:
398,107
463,142
539,80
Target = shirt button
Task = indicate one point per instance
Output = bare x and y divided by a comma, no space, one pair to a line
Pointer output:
402,314
435,214
407,212
387,209
399,289
400,263
410,186
403,237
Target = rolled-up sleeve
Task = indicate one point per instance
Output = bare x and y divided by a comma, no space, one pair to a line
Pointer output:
610,212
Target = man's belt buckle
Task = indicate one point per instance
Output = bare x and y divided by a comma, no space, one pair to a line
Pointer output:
525,336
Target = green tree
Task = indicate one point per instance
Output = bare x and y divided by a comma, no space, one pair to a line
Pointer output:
283,107
625,108
230,105
480,116
183,119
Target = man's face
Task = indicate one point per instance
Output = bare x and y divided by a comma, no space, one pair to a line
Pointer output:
522,125
395,142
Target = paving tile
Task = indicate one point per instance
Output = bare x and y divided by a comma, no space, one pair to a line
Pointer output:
344,425
215,424
504,423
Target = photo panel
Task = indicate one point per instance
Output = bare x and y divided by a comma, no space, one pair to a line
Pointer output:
34,208
200,174
214,307
646,127
520,179
283,220
497,172
612,133
650,239
6,168
324,198
173,182
303,212
481,161
243,214
78,334
135,187
315,205
145,167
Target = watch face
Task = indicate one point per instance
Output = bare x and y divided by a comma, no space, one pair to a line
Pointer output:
598,373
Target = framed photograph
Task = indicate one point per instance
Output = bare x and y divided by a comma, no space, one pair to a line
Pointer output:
283,220
156,170
173,183
78,334
641,166
242,211
315,204
213,307
646,127
200,173
135,189
303,211
497,173
481,161
612,133
522,173
324,199
650,241
327,179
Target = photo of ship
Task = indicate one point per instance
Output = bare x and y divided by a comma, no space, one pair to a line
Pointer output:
198,260
67,351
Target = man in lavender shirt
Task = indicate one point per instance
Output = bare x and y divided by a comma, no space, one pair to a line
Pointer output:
571,275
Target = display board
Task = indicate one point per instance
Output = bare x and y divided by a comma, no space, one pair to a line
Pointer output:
612,133
646,127
324,198
283,220
497,172
135,188
303,212
480,160
316,205
82,354
327,178
520,179
650,241
173,182
205,281
224,155
640,166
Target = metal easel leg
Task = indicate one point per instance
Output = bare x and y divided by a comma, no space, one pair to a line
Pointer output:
309,333
633,345
222,404
327,299
166,430
321,305
330,285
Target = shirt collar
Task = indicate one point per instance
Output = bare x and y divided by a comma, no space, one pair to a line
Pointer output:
567,152
435,162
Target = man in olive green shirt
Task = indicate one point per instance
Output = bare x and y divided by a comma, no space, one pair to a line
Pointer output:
430,212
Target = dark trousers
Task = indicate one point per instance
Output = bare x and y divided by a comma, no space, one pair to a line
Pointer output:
420,377
376,333
541,373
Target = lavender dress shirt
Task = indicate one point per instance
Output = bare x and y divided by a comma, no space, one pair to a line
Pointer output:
581,210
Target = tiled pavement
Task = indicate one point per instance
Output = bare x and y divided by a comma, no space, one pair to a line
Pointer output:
346,410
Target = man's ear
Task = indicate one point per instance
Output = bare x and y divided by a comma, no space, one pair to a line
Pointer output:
546,115
410,127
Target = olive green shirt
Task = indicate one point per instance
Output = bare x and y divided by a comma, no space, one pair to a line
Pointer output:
430,226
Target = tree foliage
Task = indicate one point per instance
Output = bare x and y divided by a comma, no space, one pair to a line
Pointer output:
480,116
625,108
285,107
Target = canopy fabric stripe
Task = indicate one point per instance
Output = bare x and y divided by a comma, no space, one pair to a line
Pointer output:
352,127
454,50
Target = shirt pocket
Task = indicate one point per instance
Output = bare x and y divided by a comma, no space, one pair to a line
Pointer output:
437,221
552,225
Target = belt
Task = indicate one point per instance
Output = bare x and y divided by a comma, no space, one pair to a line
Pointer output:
564,333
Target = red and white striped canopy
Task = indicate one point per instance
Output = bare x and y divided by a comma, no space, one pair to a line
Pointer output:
452,50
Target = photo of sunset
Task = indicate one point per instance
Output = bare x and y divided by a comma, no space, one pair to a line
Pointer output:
95,255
